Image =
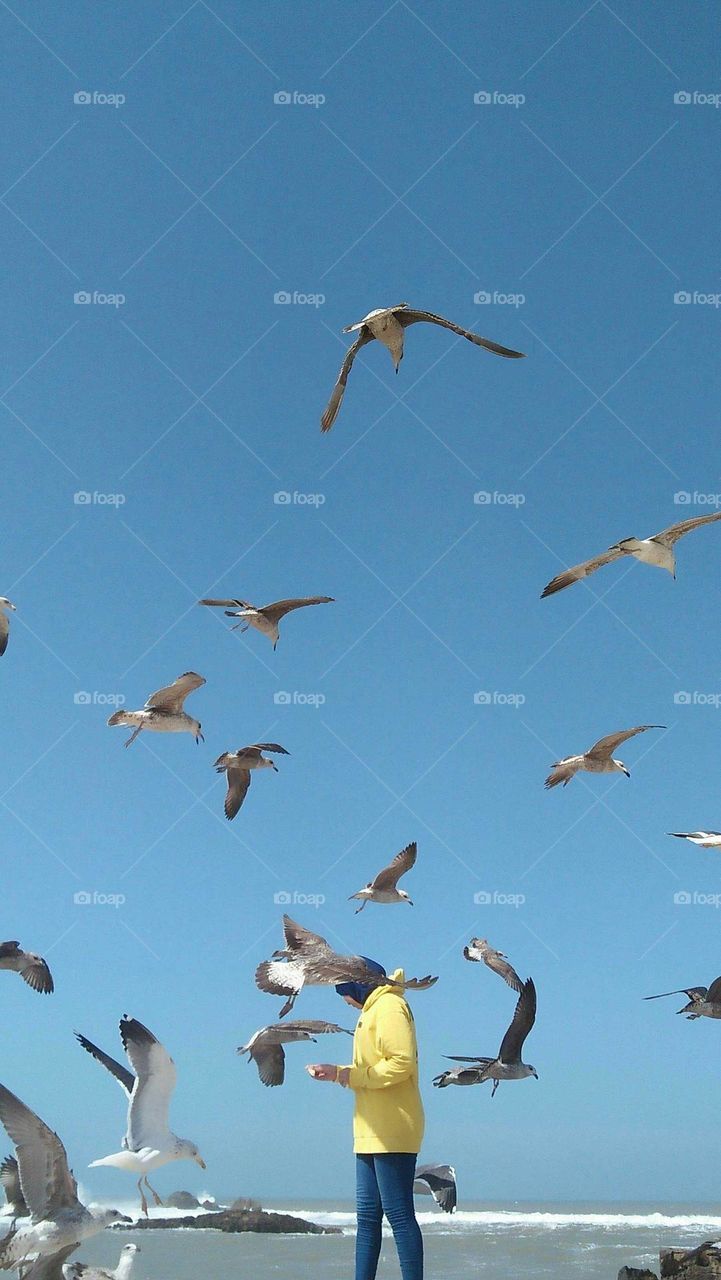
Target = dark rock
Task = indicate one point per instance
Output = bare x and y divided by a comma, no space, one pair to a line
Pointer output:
239,1220
634,1273
703,1263
182,1200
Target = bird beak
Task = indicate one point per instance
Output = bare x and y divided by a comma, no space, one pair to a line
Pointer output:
199,737
628,775
410,904
199,1160
536,1074
124,1218
274,766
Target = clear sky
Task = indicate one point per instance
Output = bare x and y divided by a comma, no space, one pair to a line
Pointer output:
183,397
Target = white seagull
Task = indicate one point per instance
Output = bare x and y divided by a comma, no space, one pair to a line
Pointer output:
597,759
388,325
265,1047
383,888
508,1064
656,550
5,604
237,766
703,1002
264,618
480,950
439,1181
58,1220
82,1271
148,1142
163,712
32,969
706,839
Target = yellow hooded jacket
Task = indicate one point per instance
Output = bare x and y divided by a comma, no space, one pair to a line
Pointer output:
384,1076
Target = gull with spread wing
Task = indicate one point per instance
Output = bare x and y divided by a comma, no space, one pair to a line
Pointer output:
508,1064
265,1047
237,766
480,950
704,1002
597,759
439,1181
264,618
383,889
32,969
163,712
388,325
705,839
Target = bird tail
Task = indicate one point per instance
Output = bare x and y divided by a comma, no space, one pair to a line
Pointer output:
12,1251
120,717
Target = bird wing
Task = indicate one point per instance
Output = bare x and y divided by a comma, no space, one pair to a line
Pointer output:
238,783
125,1078
579,571
419,984
279,977
331,412
706,839
496,961
45,1179
713,995
156,1076
10,1179
408,316
267,746
301,940
226,604
605,747
523,1019
270,1061
693,993
561,771
675,531
172,697
274,612
50,1265
403,861
32,968
440,1181
4,632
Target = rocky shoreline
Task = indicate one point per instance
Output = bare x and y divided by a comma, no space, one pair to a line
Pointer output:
238,1220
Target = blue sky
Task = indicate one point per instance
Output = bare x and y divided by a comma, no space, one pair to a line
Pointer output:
187,405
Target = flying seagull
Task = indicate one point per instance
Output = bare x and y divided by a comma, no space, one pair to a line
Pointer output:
388,325
163,712
32,969
4,623
383,888
264,618
479,949
58,1220
508,1064
703,1002
148,1142
597,759
10,1179
656,550
439,1181
81,1270
706,839
237,766
308,961
265,1047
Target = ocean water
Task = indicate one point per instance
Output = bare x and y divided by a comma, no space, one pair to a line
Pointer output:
492,1241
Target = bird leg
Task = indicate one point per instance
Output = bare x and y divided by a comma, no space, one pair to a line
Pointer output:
239,626
495,1086
134,735
360,908
143,1201
287,1006
154,1193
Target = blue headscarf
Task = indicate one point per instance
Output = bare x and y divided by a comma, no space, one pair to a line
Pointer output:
360,991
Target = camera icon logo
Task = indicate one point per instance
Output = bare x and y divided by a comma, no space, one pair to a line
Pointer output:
282,297
682,898
281,498
482,98
82,298
82,698
82,898
482,898
82,498
282,898
682,298
682,498
682,698
482,298
482,498
482,698
82,98
282,698
682,98
282,98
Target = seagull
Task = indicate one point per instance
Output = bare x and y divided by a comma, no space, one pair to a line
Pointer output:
265,618
383,888
163,712
58,1219
479,949
5,623
10,1179
32,969
706,839
703,1002
656,550
237,766
508,1064
265,1047
308,960
81,1270
439,1181
388,325
49,1267
148,1142
597,759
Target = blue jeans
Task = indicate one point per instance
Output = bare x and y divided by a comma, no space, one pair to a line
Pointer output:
384,1185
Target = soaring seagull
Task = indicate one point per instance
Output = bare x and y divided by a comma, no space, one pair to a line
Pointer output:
308,961
163,712
5,604
264,618
32,969
597,759
706,839
703,1002
480,950
58,1220
148,1142
383,888
388,325
237,767
439,1181
508,1064
265,1047
656,550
